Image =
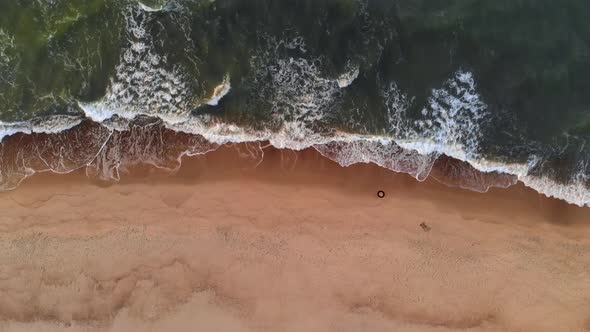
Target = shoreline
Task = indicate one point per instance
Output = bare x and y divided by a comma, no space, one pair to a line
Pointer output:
309,167
297,242
149,141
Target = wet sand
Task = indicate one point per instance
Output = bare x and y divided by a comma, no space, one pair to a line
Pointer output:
295,244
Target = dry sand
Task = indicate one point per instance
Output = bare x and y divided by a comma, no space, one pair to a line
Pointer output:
297,244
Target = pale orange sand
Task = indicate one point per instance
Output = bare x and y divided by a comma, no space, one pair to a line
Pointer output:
307,247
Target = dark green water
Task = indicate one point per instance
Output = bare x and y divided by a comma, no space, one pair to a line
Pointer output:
501,84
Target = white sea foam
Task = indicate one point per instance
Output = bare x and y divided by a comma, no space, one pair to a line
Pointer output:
347,78
9,60
452,126
48,125
414,158
384,153
575,192
147,8
144,84
98,111
220,91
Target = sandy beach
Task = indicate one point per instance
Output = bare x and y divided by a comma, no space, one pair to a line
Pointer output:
297,243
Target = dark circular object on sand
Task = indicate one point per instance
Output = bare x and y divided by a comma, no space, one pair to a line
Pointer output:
381,194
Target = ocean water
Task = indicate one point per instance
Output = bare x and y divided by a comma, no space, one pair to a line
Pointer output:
499,86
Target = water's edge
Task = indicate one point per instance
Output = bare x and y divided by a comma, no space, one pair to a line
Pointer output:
104,150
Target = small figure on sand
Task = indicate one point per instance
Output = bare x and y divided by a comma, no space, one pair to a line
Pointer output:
425,227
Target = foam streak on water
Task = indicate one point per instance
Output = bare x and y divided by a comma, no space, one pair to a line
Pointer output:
48,125
144,84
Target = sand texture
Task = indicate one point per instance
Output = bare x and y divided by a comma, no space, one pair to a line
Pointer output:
296,244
